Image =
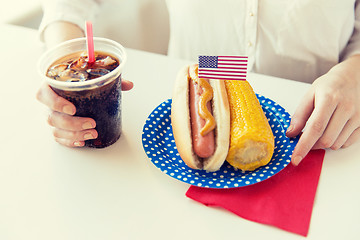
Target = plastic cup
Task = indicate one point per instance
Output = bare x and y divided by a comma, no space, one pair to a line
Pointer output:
99,98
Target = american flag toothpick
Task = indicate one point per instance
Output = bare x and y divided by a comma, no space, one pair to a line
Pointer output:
223,67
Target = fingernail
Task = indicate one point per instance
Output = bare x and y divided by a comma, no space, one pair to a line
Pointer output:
68,110
88,136
87,125
296,160
290,128
78,144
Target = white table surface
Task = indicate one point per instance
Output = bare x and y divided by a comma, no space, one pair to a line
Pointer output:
48,191
17,10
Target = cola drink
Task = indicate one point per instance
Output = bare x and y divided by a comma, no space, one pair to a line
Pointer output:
102,103
94,88
76,68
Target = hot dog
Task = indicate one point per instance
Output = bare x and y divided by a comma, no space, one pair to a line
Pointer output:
218,120
202,120
199,147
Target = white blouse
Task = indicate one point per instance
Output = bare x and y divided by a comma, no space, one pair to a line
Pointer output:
294,39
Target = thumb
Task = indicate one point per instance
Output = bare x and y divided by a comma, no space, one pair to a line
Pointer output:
301,115
126,85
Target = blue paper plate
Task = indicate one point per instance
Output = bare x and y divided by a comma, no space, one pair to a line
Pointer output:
159,145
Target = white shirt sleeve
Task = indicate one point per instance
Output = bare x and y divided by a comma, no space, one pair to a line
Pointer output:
73,11
353,46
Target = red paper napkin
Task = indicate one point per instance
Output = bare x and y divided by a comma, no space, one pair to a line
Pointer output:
284,200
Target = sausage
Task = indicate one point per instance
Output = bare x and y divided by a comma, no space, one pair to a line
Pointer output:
204,146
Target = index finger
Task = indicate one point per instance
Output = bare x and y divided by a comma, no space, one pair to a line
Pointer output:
315,127
48,97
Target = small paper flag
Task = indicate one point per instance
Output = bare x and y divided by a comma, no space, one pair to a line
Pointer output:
223,67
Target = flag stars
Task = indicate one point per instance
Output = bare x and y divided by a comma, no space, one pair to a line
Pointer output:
227,67
208,61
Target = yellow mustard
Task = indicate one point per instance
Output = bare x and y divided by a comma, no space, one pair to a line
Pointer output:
205,97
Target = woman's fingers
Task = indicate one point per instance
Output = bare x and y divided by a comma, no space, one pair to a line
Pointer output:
126,85
334,128
301,115
335,119
315,127
347,131
56,103
70,143
78,136
70,123
69,130
72,131
355,136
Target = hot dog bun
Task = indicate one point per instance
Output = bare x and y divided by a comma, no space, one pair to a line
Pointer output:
180,120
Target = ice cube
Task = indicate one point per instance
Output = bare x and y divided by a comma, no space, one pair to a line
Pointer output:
83,54
73,75
105,62
80,63
97,72
55,71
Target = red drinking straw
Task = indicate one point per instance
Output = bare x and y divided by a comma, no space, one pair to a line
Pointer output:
90,42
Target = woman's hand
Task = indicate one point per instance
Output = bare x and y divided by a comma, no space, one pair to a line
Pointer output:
330,110
68,129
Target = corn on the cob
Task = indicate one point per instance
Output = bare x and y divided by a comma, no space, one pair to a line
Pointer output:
252,140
